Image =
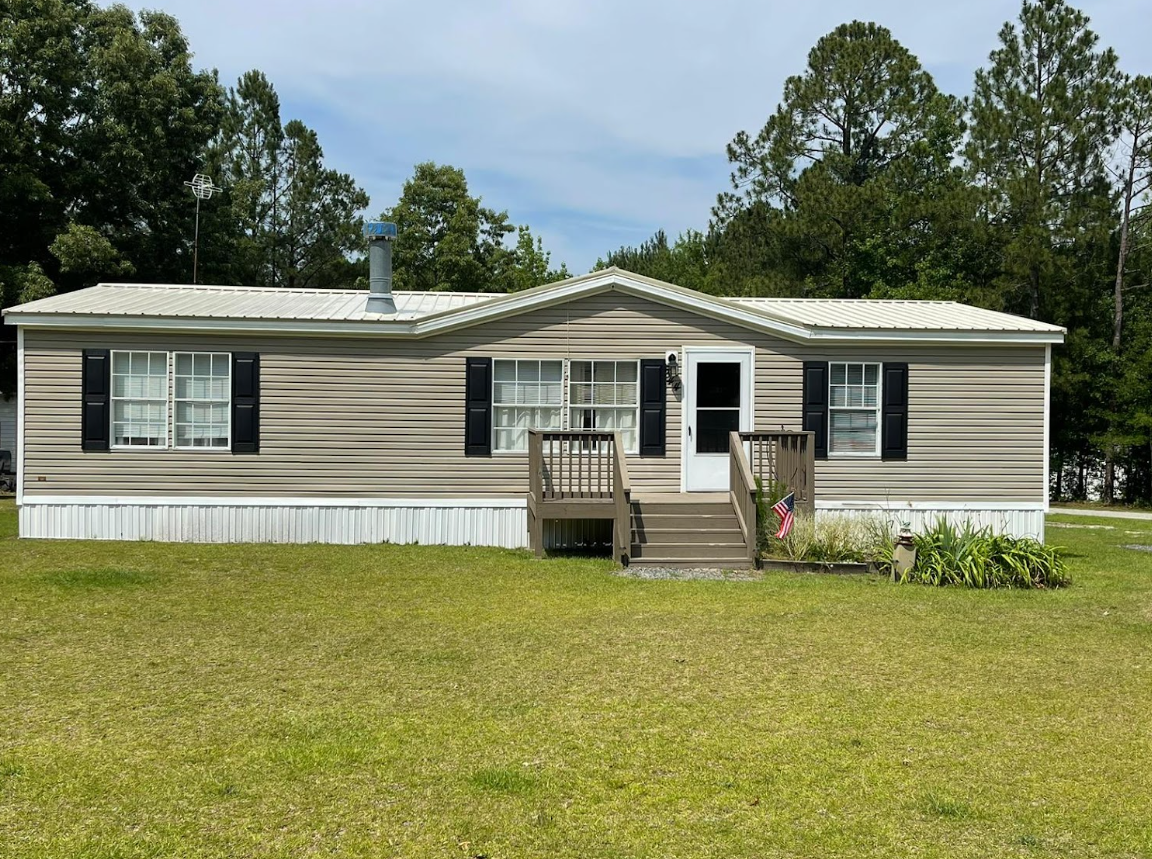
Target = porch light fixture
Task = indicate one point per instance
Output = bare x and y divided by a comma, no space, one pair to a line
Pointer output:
672,371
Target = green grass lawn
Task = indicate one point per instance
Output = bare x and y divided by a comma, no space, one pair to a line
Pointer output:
234,701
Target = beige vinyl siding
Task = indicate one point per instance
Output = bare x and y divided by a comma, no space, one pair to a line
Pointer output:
8,409
385,418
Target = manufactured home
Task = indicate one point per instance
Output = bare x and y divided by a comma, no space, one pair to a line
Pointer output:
219,413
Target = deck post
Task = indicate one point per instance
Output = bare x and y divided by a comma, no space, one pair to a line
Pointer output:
535,492
622,496
742,492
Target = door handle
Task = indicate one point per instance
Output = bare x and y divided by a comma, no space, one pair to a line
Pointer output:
689,432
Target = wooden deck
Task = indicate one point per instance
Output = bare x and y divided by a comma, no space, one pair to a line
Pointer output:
584,475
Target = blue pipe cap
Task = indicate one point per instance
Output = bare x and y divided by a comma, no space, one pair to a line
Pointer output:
379,230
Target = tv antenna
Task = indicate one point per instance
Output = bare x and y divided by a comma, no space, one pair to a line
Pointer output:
202,189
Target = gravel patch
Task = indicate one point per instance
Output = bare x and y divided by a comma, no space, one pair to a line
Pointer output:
1112,514
690,573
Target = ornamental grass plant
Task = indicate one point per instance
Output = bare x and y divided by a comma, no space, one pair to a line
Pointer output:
978,558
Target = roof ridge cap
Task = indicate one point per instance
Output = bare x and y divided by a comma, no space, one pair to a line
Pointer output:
290,290
847,300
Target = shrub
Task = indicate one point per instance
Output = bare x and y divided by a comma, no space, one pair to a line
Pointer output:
977,558
836,539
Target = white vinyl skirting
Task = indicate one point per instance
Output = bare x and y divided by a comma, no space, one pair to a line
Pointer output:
1021,520
350,522
477,522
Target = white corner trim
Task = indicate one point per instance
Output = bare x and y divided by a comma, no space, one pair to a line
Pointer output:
1047,453
682,359
20,407
273,501
897,506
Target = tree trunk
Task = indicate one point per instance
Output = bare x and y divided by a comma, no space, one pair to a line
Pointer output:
1121,263
1034,292
1109,493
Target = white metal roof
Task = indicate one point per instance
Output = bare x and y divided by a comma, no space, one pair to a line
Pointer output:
879,315
243,302
242,308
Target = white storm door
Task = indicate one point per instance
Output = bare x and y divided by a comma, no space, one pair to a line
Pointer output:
717,400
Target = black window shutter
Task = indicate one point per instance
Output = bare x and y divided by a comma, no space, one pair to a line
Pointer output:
815,417
245,402
894,412
653,410
95,420
478,407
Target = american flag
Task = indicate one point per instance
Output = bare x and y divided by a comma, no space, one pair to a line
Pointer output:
785,508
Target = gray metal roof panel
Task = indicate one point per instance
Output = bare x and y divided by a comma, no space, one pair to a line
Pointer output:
890,315
239,302
344,305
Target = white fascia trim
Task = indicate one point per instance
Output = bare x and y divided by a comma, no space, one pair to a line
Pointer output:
1047,426
271,501
463,317
705,305
897,506
1019,338
20,406
96,322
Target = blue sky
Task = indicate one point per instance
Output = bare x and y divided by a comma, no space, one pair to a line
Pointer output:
595,122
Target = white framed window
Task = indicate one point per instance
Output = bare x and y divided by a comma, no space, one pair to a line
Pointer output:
853,409
202,399
605,395
525,395
139,399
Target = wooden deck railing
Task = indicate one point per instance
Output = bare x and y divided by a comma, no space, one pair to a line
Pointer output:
789,459
742,490
579,474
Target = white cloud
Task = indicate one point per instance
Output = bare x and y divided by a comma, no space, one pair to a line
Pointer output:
608,118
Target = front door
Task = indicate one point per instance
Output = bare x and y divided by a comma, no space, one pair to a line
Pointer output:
717,400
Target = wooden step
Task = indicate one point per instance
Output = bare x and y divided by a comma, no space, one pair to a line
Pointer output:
688,551
695,532
681,508
688,530
684,521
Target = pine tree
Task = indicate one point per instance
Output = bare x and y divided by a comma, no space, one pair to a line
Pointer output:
1042,119
295,220
250,150
853,146
319,222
